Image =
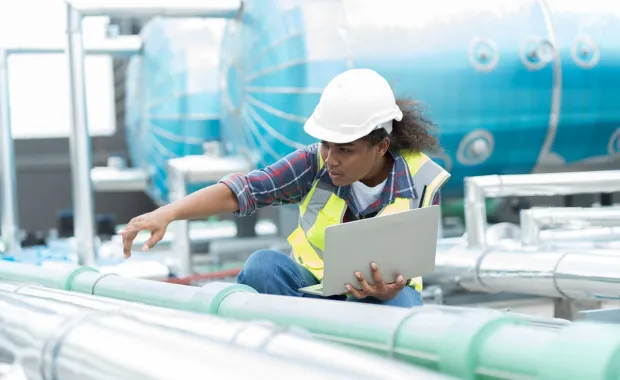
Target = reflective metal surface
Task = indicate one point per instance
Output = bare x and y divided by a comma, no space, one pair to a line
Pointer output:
121,46
156,333
8,202
575,219
167,8
79,143
558,272
477,189
107,179
187,170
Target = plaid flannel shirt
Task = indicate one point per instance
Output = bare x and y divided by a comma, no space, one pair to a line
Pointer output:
289,180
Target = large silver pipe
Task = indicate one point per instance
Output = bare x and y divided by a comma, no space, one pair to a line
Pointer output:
10,215
79,143
558,272
533,221
166,8
191,170
252,339
477,189
121,47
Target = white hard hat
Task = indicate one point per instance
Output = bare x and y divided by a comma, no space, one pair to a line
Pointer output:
352,105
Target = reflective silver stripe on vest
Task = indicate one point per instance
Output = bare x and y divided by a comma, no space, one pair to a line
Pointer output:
321,195
424,177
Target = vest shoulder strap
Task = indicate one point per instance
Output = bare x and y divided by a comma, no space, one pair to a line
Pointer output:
428,176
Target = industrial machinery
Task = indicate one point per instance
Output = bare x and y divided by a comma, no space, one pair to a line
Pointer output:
512,85
173,96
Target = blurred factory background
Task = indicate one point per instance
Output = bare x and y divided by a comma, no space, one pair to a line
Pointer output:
491,93
178,94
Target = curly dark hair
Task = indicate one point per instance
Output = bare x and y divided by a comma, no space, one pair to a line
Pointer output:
413,132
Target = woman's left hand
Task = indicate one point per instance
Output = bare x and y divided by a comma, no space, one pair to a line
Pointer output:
380,290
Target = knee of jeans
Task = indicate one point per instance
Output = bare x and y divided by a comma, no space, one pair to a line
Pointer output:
259,265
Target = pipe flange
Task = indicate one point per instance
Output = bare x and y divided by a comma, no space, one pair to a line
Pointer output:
476,147
585,52
94,285
483,54
536,52
555,277
613,147
391,344
476,274
51,348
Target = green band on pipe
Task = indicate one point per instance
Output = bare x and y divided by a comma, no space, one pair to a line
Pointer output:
209,298
458,354
583,350
74,273
86,281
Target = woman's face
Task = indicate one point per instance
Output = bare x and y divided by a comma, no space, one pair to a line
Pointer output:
351,162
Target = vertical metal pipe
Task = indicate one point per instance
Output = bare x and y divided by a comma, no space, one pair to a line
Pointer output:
181,245
81,154
475,213
10,221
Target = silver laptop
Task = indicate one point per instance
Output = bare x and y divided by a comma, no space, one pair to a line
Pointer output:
402,243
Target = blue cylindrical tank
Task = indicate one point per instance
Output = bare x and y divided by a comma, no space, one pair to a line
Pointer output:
172,95
487,72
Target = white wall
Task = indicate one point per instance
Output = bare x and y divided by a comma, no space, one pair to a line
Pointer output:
39,83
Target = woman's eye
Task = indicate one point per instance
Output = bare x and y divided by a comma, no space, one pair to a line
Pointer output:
344,150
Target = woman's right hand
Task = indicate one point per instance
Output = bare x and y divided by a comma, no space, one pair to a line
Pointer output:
156,222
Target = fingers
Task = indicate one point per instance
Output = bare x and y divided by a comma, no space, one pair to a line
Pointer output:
156,236
376,274
364,292
365,287
128,238
400,283
355,293
130,232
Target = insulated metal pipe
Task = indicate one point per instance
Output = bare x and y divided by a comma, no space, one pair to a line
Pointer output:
10,215
165,8
477,189
535,220
121,47
54,340
79,143
290,344
557,273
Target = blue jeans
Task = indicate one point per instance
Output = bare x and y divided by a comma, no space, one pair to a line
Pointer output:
273,272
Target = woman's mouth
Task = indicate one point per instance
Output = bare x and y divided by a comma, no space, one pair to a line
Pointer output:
334,174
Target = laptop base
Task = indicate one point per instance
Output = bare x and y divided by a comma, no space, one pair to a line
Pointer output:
316,290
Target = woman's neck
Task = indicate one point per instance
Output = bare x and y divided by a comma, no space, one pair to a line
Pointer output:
380,171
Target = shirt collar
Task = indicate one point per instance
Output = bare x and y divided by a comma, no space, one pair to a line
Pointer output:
397,184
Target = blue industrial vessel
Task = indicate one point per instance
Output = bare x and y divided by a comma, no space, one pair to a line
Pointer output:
172,97
514,86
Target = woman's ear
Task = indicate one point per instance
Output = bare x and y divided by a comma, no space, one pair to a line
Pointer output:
383,146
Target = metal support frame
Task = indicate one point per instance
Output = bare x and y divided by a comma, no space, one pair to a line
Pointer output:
81,153
477,189
191,170
118,47
10,219
535,220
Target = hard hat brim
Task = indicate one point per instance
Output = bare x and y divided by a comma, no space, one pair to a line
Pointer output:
315,130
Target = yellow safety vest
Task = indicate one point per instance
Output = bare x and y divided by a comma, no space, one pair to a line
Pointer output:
321,208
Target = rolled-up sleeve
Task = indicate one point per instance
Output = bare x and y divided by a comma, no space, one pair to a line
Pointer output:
285,182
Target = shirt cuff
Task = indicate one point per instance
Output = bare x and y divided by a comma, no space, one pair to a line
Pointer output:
239,186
